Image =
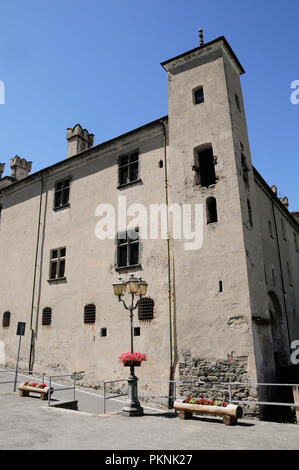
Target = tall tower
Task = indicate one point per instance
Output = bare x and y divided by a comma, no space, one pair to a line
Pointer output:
210,165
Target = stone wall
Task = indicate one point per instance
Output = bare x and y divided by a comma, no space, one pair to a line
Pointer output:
232,369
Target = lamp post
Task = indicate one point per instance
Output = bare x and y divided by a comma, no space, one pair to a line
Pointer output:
137,288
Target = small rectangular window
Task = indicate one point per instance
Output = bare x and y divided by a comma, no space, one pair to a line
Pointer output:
128,169
6,319
289,275
57,263
103,331
62,193
270,229
283,229
199,96
137,331
238,102
296,242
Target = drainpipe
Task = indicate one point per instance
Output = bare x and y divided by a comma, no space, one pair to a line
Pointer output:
168,269
32,342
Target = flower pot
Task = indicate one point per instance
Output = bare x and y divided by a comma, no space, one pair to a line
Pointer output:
129,364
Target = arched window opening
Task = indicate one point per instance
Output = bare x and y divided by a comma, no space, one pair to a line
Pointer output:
211,210
47,316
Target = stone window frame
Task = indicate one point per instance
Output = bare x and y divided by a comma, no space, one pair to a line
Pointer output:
62,191
131,163
59,259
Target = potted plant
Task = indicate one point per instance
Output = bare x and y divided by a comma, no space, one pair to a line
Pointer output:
132,359
229,412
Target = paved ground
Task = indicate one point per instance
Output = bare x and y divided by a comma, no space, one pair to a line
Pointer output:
28,423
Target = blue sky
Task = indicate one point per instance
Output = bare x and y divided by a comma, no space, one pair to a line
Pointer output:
98,63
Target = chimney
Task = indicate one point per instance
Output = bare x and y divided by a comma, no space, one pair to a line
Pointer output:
274,189
78,140
2,166
20,168
285,201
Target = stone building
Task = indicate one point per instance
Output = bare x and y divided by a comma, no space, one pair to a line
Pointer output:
227,311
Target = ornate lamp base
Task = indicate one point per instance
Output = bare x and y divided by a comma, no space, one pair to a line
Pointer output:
133,407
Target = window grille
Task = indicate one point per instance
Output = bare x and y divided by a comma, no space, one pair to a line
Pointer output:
90,313
6,319
47,316
146,309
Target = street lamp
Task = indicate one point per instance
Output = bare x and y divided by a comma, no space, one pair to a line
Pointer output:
135,287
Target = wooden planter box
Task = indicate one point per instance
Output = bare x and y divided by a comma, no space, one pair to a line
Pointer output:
230,413
25,390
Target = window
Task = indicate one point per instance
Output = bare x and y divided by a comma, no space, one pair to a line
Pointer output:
211,210
270,229
205,167
273,276
57,263
289,275
0,213
283,229
296,242
6,319
265,273
103,332
137,331
62,193
249,213
145,309
128,247
220,286
245,168
237,99
47,316
128,169
198,96
90,313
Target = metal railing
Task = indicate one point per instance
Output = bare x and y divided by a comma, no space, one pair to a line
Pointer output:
112,396
230,386
73,387
152,395
8,381
255,384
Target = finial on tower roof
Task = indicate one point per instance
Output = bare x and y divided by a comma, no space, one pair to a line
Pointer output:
200,37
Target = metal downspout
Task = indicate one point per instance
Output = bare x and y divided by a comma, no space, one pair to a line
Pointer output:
169,270
34,279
